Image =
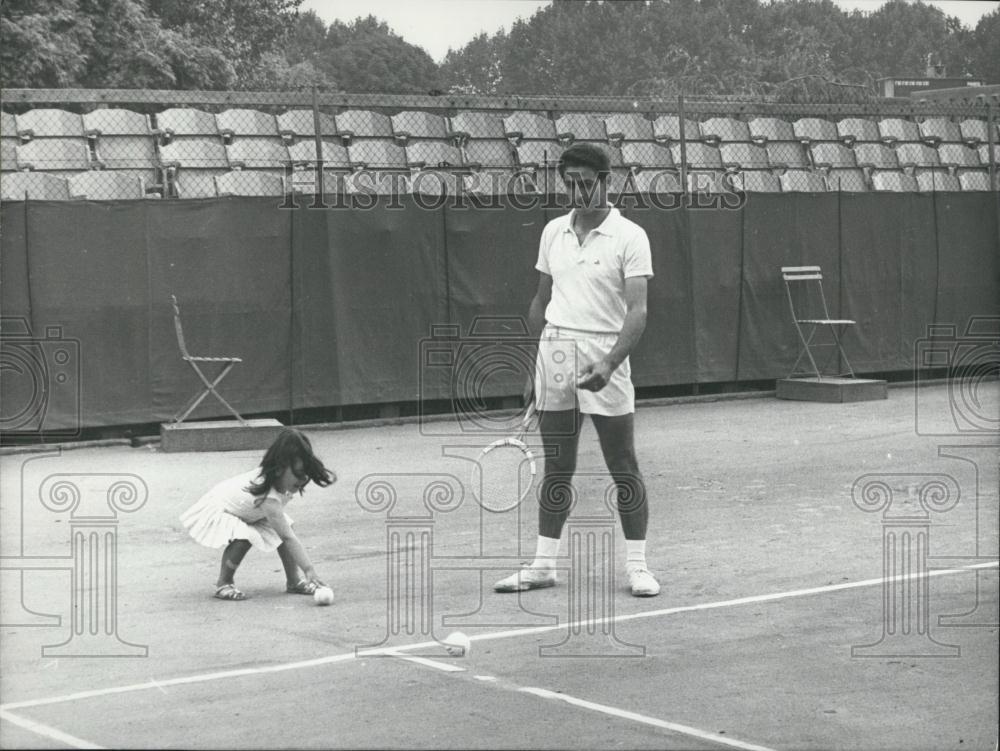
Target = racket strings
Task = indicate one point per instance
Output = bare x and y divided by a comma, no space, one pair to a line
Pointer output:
502,477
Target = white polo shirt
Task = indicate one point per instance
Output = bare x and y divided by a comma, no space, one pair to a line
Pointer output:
588,281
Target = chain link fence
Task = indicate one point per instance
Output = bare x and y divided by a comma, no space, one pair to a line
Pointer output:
115,144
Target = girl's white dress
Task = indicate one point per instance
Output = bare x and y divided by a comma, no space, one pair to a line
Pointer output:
228,512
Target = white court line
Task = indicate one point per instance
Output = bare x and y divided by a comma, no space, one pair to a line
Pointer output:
437,665
46,731
644,719
481,637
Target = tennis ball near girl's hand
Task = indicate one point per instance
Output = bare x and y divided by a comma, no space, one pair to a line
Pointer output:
323,596
457,644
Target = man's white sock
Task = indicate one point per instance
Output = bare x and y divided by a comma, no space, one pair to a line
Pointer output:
635,554
546,553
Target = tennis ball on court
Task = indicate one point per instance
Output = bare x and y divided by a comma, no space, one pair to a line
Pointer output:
457,644
323,596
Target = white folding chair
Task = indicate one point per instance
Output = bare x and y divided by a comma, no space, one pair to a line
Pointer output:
808,283
227,364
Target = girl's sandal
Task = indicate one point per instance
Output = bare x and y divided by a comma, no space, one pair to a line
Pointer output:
229,592
302,587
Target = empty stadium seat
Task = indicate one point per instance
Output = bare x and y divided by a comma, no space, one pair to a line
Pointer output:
721,129
858,130
192,164
124,140
893,129
433,154
476,125
698,155
8,142
8,154
538,153
811,129
489,153
957,155
186,121
252,152
363,124
8,125
643,155
974,131
894,181
916,155
529,125
296,124
974,180
54,155
984,154
757,182
668,128
376,153
831,155
744,156
335,154
106,186
786,154
846,180
935,180
237,123
579,126
628,126
802,181
876,155
418,124
34,186
249,183
656,181
763,130
49,123
935,130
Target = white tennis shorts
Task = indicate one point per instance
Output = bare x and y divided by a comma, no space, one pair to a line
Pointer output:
562,354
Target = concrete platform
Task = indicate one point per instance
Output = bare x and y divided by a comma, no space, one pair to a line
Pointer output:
834,390
219,435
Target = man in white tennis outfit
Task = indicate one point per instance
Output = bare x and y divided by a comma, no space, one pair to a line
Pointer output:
593,268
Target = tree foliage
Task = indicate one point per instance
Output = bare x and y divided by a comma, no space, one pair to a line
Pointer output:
795,50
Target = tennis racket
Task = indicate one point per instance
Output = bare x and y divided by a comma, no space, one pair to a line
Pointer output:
505,469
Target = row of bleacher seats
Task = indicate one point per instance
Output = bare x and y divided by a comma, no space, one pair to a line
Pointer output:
404,126
113,185
182,152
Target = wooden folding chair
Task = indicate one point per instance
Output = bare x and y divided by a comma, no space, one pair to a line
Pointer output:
808,281
227,364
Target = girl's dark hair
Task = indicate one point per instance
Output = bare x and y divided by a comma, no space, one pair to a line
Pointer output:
585,155
288,447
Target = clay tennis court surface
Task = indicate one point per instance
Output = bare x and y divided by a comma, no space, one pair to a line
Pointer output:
773,593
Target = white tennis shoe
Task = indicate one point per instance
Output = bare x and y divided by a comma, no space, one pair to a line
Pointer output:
643,583
525,579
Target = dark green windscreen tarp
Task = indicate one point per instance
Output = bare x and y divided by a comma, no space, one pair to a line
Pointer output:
331,307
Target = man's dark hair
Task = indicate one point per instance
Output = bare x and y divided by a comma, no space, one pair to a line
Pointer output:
585,155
